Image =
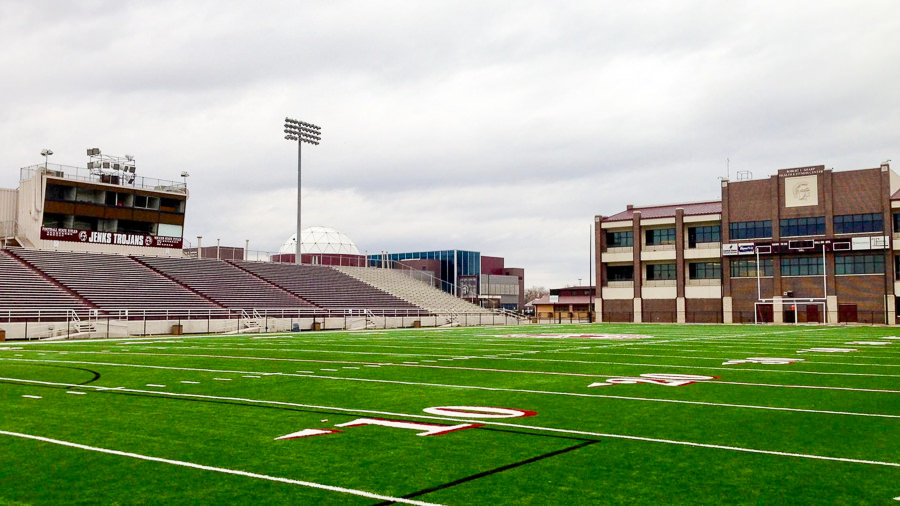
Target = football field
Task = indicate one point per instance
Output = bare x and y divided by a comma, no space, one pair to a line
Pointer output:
558,414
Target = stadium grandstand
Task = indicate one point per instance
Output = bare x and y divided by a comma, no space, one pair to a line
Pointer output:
97,251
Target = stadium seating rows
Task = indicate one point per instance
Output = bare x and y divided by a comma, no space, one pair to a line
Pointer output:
32,279
326,287
225,283
113,282
21,288
410,289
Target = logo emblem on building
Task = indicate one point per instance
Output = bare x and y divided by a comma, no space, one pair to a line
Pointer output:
802,191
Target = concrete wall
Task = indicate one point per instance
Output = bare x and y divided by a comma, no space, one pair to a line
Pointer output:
135,328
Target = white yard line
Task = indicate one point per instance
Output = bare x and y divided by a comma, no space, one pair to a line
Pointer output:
494,423
562,394
812,387
320,486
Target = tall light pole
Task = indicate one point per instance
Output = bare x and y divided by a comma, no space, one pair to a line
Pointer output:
45,153
301,132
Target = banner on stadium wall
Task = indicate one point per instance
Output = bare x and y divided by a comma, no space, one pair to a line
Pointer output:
109,238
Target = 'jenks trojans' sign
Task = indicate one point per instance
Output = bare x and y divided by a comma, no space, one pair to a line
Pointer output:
110,238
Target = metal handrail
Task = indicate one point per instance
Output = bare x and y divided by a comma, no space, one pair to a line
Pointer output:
84,174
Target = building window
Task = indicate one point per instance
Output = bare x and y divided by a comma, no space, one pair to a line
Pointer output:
706,233
897,223
620,272
620,239
659,272
660,236
747,268
750,229
801,266
856,223
858,264
814,225
705,270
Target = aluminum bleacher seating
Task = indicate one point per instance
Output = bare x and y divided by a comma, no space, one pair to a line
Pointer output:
23,289
413,290
225,283
328,288
113,282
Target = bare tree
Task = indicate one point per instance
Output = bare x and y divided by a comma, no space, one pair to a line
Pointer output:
535,292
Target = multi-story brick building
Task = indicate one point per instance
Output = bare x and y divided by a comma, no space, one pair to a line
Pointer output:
804,245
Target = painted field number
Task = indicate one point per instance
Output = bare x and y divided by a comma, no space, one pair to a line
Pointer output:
422,428
666,380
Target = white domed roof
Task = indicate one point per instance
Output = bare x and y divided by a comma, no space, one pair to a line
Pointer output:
320,240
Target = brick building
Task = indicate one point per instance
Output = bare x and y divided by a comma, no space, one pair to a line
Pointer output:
804,245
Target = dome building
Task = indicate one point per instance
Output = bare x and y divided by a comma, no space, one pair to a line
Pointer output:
321,246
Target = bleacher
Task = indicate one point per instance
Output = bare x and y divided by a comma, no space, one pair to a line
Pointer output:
225,283
412,290
113,282
328,288
22,289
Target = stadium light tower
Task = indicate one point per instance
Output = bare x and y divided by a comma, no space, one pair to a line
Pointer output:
45,153
301,132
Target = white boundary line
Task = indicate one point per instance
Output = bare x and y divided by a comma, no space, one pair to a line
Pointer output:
182,463
499,424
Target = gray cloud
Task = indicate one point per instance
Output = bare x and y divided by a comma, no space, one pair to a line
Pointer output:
449,124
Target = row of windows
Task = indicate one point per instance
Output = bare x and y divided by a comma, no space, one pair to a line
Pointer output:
859,264
803,226
748,268
656,237
791,266
750,229
814,225
856,223
790,227
659,272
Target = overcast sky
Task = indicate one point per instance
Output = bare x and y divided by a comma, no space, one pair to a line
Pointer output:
500,127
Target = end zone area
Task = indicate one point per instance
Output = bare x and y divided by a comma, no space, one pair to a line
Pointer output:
559,414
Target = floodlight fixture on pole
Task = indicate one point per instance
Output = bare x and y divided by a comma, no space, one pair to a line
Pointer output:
301,132
45,153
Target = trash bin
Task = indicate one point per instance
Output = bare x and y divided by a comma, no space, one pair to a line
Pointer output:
417,324
177,330
2,335
317,326
295,327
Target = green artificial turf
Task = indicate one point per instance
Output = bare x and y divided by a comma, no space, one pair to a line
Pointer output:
194,419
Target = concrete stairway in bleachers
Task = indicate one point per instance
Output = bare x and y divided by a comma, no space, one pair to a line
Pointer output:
412,290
